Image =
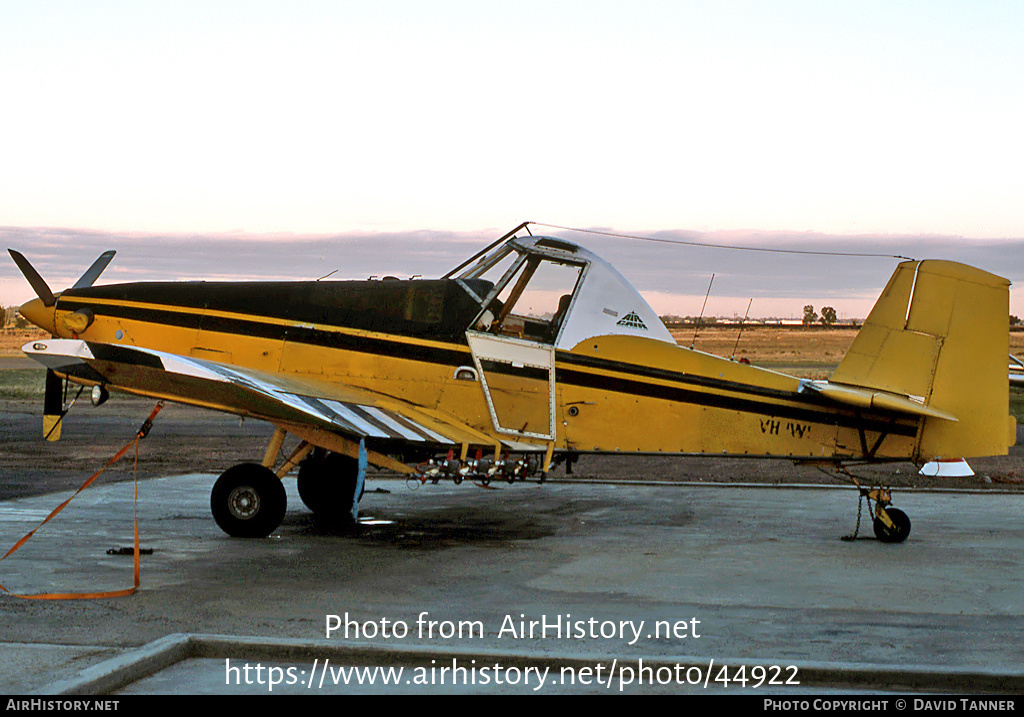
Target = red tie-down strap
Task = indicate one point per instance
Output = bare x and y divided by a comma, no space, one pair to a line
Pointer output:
134,443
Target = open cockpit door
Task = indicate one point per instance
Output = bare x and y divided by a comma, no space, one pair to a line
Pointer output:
518,380
543,294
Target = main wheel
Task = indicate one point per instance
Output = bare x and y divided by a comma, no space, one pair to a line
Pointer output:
900,527
327,483
248,501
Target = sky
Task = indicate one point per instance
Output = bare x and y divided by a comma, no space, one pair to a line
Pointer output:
223,139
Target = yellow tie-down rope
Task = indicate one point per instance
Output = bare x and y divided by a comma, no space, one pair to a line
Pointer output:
142,433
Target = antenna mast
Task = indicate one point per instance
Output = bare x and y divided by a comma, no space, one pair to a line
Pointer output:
742,323
699,318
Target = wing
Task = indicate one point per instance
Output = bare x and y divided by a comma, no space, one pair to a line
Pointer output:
282,399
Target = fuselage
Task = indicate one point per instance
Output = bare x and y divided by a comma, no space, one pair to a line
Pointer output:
412,340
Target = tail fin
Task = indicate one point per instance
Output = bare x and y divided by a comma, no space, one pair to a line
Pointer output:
939,333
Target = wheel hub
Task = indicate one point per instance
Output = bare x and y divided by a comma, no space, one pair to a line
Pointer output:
244,502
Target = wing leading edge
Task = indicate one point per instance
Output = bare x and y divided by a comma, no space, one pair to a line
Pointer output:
277,398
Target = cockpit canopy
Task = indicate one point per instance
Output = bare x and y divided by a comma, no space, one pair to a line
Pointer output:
552,291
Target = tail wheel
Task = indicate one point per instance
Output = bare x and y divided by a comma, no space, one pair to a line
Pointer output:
248,501
899,530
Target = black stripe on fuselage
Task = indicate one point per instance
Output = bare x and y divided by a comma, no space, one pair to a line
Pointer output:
649,372
632,379
815,410
809,414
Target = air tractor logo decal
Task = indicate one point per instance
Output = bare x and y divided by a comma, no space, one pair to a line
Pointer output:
632,321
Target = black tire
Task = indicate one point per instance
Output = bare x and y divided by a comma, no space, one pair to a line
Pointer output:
327,482
900,530
248,501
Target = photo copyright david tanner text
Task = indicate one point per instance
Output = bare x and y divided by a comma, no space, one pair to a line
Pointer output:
893,704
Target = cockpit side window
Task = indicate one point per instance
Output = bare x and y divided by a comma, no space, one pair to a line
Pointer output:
533,302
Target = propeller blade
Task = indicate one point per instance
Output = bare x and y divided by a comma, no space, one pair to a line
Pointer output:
93,272
53,396
36,281
53,406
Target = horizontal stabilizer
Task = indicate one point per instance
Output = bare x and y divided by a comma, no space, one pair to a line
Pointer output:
872,398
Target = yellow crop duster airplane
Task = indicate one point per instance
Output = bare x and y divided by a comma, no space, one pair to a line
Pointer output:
531,352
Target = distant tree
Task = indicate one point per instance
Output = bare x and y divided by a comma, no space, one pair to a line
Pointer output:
3,317
828,316
1014,320
810,315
